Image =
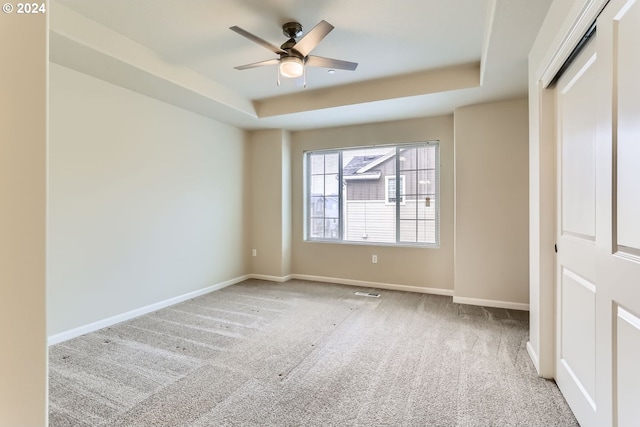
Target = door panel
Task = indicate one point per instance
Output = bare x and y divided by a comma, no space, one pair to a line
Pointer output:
621,265
628,368
627,68
578,332
577,288
598,261
577,101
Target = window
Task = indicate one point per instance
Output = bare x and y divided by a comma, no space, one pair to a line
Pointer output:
390,189
352,195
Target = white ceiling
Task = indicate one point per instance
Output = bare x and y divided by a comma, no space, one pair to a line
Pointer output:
416,57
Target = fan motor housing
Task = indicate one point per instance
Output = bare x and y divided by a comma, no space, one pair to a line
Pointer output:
292,30
288,45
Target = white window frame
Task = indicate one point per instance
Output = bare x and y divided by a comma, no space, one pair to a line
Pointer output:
434,196
386,190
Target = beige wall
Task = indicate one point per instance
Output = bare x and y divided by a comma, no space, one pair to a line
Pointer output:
23,351
150,202
146,201
492,241
270,210
404,266
286,204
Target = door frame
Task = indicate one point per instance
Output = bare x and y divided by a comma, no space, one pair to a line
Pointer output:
562,30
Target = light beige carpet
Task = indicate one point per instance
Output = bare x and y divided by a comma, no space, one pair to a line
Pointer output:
305,354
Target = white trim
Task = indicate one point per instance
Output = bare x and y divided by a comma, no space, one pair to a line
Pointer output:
100,324
579,384
118,318
388,178
376,285
279,279
556,40
580,18
628,317
486,41
534,356
367,177
491,303
579,280
376,162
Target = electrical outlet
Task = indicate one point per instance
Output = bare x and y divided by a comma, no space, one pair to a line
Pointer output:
374,259
254,252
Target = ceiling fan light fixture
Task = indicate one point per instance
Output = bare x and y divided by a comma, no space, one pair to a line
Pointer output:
294,55
291,67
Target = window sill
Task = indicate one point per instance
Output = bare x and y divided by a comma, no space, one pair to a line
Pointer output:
393,245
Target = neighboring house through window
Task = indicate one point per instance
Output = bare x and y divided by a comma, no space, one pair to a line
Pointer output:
352,195
390,189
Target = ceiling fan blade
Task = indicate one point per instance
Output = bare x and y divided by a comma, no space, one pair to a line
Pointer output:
320,61
256,39
313,38
258,64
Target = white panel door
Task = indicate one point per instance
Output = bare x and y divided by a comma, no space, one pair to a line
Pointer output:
619,212
576,108
598,262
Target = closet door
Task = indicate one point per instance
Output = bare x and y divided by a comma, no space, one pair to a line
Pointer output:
598,224
577,286
618,215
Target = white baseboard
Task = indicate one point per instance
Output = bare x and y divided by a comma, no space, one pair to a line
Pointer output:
91,327
377,285
534,356
279,279
491,303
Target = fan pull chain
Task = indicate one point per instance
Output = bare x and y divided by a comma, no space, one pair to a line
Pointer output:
304,75
278,78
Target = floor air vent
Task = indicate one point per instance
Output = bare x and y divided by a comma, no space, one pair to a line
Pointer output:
368,294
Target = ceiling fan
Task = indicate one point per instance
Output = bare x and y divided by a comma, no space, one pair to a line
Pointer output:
294,55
